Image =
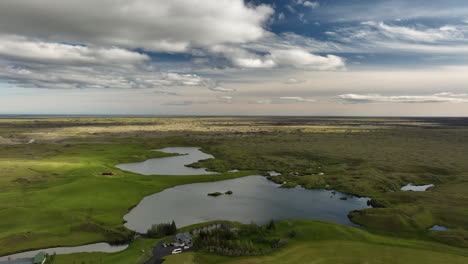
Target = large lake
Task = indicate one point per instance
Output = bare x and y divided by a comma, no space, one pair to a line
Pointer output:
174,165
254,198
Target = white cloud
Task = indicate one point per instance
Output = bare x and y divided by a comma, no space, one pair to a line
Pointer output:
293,81
179,103
450,94
24,49
225,99
380,37
310,4
281,16
165,93
262,101
377,98
222,89
301,58
154,25
346,11
297,99
278,55
445,33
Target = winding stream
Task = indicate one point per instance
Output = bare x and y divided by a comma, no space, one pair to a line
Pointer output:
97,247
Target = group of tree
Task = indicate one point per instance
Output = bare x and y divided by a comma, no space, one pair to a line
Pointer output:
162,230
248,240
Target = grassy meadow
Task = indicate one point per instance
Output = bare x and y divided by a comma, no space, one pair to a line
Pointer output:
53,193
328,243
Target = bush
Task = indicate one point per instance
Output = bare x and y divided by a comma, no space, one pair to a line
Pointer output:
292,234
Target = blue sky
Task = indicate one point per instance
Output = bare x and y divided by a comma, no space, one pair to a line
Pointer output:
291,57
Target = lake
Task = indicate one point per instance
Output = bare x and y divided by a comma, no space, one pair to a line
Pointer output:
174,165
254,198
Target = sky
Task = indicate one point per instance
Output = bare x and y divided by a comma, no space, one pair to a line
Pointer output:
234,57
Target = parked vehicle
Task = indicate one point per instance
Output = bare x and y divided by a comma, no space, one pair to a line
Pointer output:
186,247
177,251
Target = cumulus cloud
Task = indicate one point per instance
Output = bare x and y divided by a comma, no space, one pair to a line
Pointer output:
154,25
293,81
23,49
279,56
377,98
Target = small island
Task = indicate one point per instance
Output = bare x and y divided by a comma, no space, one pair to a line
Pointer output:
219,193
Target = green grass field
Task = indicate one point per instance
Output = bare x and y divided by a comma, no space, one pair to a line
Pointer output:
321,242
53,193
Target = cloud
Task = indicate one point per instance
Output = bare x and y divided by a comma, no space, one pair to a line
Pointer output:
301,58
445,33
377,98
23,49
222,89
305,3
153,25
165,93
281,16
297,99
451,94
85,67
352,11
225,99
178,103
293,81
270,55
261,101
283,100
381,37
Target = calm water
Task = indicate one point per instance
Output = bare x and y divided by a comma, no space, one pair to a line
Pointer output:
254,198
416,188
170,165
98,247
438,228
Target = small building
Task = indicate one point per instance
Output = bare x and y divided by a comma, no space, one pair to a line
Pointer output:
184,238
40,258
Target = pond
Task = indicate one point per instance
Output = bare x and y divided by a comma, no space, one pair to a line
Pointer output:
170,165
254,198
97,247
438,228
416,188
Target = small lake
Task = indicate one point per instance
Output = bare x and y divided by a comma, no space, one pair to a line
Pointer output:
416,188
254,198
97,247
170,165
